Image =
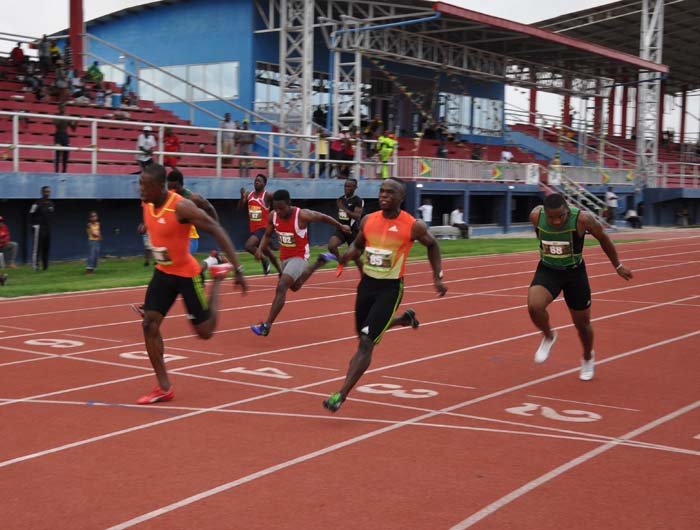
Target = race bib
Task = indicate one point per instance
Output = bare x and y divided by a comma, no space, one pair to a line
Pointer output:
161,255
342,215
379,258
255,213
556,248
286,239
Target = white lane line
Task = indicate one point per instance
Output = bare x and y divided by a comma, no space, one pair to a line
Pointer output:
584,403
351,441
300,365
190,350
91,338
560,470
428,382
14,327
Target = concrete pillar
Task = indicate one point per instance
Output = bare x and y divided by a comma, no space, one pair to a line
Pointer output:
662,93
684,103
611,112
77,28
625,97
533,105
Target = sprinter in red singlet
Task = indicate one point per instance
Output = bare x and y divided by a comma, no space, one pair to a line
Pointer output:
168,218
291,224
259,202
385,238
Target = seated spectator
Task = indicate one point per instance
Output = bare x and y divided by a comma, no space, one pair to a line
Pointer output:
100,95
17,57
77,88
506,156
171,144
60,86
55,52
457,220
8,248
94,74
633,219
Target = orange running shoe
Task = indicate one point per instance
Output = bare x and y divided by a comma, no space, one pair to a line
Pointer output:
157,395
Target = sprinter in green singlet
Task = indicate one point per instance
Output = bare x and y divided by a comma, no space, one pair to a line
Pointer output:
560,229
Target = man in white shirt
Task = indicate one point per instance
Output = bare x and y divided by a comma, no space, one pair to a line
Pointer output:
506,156
228,144
426,211
145,146
611,203
457,220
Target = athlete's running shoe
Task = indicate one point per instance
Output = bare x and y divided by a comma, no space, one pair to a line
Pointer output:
138,309
325,257
587,368
157,395
333,402
410,314
261,329
266,266
542,353
221,270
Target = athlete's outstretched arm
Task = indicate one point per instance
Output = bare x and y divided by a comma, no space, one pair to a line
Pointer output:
188,212
312,216
205,205
588,222
420,233
355,250
244,200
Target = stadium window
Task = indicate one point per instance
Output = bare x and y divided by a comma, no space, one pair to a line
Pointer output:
220,79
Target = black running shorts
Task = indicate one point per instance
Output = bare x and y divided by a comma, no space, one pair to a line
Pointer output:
345,238
377,301
164,288
574,283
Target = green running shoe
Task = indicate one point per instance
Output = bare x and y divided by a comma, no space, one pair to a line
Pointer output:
334,402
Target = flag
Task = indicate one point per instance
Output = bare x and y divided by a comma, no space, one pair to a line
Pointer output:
630,176
425,167
605,177
496,172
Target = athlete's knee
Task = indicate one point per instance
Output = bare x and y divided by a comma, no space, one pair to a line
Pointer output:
251,247
536,309
366,344
150,326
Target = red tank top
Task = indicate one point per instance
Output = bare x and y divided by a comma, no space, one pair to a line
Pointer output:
294,241
258,212
170,239
388,242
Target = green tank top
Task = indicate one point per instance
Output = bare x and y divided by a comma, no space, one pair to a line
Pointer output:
560,248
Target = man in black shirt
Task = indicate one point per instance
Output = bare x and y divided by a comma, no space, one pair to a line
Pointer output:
350,211
40,217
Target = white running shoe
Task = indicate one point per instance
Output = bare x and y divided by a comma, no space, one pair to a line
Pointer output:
542,352
587,369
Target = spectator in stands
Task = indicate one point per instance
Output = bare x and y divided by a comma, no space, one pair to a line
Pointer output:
45,55
457,220
18,58
349,146
476,152
337,151
426,212
386,144
611,205
171,144
40,218
8,248
128,97
145,145
55,52
34,82
245,139
60,86
94,237
77,88
62,138
228,143
322,153
100,95
506,156
633,219
442,151
94,74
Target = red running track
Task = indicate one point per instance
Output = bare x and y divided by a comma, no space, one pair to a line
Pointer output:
452,427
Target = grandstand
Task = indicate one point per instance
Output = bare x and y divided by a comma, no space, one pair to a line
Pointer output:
397,61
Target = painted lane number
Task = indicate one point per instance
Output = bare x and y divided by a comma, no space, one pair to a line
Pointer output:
572,415
397,391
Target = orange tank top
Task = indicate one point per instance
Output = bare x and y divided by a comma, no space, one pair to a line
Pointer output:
388,242
170,239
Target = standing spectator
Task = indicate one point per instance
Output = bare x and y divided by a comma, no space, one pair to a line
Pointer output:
442,150
385,148
426,212
44,55
17,57
245,140
323,153
8,248
94,74
40,218
349,146
145,145
457,220
337,151
506,156
55,52
94,237
61,138
128,92
171,144
611,204
228,143
476,152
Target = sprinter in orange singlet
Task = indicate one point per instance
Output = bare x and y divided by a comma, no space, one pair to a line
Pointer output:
385,238
168,218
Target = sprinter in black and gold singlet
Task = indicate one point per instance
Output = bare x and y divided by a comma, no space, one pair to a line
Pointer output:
560,229
384,239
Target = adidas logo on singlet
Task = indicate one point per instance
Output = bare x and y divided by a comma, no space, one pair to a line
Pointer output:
394,228
161,221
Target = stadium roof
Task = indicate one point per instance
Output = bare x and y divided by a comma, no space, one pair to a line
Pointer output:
617,25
